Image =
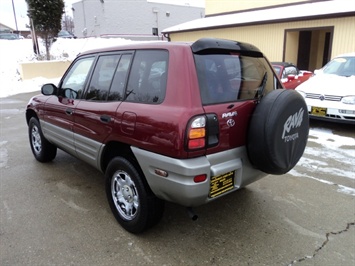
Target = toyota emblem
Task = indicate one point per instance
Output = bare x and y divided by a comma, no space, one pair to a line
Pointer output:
230,122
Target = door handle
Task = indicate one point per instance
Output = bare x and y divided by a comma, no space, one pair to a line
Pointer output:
105,118
69,111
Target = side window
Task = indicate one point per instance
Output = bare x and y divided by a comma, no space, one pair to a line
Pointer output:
102,77
148,78
119,80
74,82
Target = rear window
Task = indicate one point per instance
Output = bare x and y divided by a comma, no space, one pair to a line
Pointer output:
232,77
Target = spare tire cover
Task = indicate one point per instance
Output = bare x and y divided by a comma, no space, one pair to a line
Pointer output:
278,132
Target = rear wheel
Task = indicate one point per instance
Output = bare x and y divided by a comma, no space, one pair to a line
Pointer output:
42,149
132,202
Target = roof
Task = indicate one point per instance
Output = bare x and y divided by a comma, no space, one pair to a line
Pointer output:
203,44
301,11
136,45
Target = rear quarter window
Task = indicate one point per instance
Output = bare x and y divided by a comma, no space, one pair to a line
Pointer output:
148,77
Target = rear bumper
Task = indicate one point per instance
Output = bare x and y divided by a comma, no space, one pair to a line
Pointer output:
179,186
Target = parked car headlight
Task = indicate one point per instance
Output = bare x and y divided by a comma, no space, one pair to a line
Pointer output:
302,93
348,99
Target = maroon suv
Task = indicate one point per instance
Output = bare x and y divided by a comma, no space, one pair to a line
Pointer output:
180,122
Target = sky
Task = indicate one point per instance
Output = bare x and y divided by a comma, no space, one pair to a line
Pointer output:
7,14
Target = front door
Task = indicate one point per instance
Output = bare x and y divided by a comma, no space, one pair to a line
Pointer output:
58,119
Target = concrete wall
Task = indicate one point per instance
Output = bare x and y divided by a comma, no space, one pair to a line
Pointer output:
45,69
94,18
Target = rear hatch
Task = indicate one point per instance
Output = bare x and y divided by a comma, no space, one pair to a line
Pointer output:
232,79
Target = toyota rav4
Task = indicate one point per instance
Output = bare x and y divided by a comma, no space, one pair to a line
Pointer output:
181,122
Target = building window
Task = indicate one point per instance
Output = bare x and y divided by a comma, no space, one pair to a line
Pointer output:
155,31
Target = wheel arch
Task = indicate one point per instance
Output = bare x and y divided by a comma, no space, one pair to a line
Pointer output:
116,148
29,114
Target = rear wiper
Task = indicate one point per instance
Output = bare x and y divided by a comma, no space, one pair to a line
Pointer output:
260,90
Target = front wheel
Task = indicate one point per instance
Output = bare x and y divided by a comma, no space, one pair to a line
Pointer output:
132,202
42,149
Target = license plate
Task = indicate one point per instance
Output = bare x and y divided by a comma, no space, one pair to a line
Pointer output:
319,111
221,184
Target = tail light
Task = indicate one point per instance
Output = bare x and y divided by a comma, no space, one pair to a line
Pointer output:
196,133
202,132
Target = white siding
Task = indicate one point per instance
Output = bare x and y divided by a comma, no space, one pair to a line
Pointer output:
128,17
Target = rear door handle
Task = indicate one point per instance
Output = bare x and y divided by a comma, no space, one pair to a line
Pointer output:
105,118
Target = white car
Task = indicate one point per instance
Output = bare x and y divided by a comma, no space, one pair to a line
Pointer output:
330,93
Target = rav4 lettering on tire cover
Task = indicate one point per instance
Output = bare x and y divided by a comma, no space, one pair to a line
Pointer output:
293,121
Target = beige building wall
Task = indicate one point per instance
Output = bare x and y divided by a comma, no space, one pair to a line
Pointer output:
45,69
291,46
271,38
223,6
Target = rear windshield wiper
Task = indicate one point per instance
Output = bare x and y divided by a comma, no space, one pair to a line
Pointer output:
260,90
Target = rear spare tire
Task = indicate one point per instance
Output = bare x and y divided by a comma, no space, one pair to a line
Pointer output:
278,132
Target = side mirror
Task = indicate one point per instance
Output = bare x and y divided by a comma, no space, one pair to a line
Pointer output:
49,89
70,94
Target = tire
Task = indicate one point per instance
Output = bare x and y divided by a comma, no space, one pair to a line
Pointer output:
132,202
42,149
278,132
